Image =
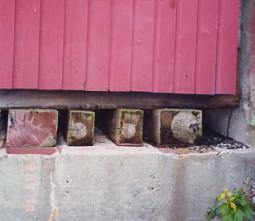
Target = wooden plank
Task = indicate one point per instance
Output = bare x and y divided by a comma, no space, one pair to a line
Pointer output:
98,45
27,44
184,78
7,21
51,45
207,46
75,55
121,46
164,50
142,69
109,100
227,47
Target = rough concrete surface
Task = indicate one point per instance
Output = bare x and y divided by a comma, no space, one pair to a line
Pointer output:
109,183
239,123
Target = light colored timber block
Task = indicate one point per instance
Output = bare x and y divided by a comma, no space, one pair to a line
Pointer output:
174,126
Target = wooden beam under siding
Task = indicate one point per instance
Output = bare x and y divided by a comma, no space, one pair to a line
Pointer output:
110,100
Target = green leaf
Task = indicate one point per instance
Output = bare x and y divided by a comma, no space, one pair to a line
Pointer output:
213,212
232,206
248,213
224,210
239,216
227,218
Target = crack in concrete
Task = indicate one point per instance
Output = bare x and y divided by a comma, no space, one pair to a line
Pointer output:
55,212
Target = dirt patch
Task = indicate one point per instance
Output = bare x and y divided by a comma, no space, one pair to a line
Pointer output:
209,142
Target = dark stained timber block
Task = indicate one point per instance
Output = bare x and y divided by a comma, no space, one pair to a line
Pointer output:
80,129
174,126
32,128
126,127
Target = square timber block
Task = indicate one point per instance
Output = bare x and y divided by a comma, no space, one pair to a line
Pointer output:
174,126
126,127
80,128
32,128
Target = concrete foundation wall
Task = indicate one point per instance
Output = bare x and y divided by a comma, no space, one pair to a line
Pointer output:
113,184
239,123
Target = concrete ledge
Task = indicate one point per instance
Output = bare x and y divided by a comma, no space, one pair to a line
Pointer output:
112,183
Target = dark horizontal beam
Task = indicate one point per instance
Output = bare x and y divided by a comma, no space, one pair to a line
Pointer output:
109,100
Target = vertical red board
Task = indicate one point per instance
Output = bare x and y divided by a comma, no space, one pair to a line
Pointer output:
207,46
98,45
75,54
164,50
121,45
27,29
185,58
7,20
143,45
162,46
51,44
227,47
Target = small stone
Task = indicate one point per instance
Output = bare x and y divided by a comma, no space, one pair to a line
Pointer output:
80,129
32,128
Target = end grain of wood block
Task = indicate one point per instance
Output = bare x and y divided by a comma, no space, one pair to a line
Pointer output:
174,126
32,128
126,127
80,129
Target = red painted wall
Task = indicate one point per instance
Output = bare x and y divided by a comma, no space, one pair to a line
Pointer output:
169,46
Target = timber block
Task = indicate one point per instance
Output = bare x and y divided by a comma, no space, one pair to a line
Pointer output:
174,126
125,126
32,128
80,128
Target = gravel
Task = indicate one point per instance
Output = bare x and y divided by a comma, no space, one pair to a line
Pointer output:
212,141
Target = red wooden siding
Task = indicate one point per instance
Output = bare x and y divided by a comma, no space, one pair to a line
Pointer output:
166,46
7,20
121,45
51,44
75,52
26,45
208,12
